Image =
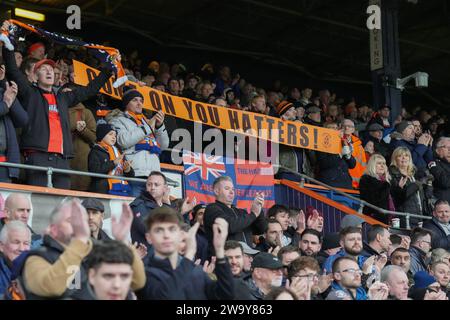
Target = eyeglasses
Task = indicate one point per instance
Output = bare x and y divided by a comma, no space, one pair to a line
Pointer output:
353,271
309,276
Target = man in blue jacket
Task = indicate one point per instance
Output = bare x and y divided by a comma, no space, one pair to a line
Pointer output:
347,281
440,225
174,277
15,238
352,246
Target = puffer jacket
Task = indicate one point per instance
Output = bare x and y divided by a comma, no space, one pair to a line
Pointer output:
129,134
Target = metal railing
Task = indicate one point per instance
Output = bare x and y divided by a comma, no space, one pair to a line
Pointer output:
51,170
362,203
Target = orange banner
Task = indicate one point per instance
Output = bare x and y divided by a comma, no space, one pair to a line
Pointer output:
290,133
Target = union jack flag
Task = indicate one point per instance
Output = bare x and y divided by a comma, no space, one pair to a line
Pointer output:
206,164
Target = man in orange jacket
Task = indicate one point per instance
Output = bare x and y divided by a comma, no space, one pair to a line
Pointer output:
348,127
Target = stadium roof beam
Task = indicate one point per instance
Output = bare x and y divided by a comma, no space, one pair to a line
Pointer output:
338,24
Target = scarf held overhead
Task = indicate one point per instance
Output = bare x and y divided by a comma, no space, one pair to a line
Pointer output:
104,54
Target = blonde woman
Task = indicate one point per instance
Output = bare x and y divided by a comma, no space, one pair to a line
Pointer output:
406,191
375,187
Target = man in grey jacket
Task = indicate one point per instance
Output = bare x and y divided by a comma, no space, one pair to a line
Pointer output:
141,139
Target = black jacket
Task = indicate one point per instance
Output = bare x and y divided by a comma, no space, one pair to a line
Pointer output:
439,239
333,170
410,198
102,236
98,162
36,134
441,183
12,118
375,192
368,251
141,207
186,282
263,245
241,225
380,146
247,289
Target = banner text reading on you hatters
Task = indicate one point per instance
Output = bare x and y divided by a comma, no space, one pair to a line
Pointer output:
270,128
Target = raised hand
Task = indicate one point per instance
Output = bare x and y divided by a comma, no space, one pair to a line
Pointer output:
81,125
380,262
10,94
5,26
166,195
429,295
120,229
191,242
301,222
301,288
209,267
141,249
2,72
314,221
378,291
405,242
158,119
402,181
220,234
274,251
118,159
79,221
188,205
367,266
257,204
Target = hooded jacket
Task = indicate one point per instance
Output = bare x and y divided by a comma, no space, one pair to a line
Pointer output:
129,134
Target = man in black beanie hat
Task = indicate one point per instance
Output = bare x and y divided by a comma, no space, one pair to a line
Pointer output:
141,139
330,246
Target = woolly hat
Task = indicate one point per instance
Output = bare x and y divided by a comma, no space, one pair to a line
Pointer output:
102,130
422,280
128,95
331,241
35,46
351,220
283,107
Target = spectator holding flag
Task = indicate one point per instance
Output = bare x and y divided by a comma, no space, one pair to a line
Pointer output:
47,140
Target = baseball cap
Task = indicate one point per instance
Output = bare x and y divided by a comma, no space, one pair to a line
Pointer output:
247,249
38,64
267,261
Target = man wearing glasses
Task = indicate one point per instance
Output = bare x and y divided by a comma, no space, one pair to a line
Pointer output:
347,281
305,270
440,169
419,248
